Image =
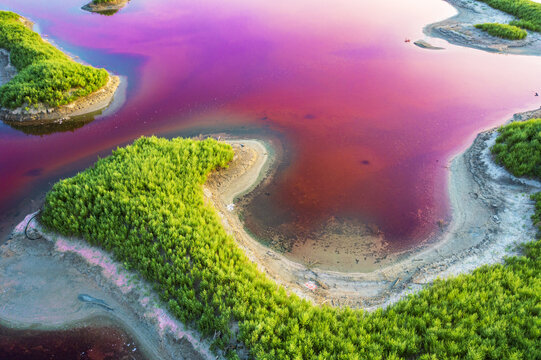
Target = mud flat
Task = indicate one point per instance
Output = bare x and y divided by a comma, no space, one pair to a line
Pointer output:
106,9
460,30
491,213
55,282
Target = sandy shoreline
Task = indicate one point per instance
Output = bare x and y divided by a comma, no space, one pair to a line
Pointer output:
460,30
98,100
491,216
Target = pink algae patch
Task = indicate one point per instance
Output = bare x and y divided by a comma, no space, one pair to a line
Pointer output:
96,257
21,226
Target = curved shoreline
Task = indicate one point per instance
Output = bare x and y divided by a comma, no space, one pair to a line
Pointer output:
42,279
459,30
490,216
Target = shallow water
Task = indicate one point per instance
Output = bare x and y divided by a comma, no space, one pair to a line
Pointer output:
368,121
84,343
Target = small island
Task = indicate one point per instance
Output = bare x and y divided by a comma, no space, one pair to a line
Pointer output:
40,84
105,7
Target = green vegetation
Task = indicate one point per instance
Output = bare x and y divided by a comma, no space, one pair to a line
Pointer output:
145,204
45,74
528,12
518,148
503,31
525,24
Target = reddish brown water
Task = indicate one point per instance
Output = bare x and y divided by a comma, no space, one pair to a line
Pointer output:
85,343
369,122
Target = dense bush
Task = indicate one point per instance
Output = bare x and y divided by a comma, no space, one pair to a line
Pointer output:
503,31
45,74
145,204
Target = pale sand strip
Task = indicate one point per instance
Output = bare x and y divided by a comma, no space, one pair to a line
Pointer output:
490,215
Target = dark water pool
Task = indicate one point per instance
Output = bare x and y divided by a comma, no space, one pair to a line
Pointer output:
85,343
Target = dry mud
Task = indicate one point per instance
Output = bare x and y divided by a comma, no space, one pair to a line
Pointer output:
460,30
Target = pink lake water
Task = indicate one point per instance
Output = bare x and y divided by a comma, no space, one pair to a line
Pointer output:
367,121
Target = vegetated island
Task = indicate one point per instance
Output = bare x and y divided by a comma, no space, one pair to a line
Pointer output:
105,7
145,205
41,84
510,26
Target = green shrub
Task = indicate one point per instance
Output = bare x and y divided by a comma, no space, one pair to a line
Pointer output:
525,24
145,204
503,31
518,148
45,74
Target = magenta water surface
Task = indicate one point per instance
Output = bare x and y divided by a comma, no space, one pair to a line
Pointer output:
368,121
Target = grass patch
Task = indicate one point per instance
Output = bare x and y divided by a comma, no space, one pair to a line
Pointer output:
145,204
45,74
503,31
